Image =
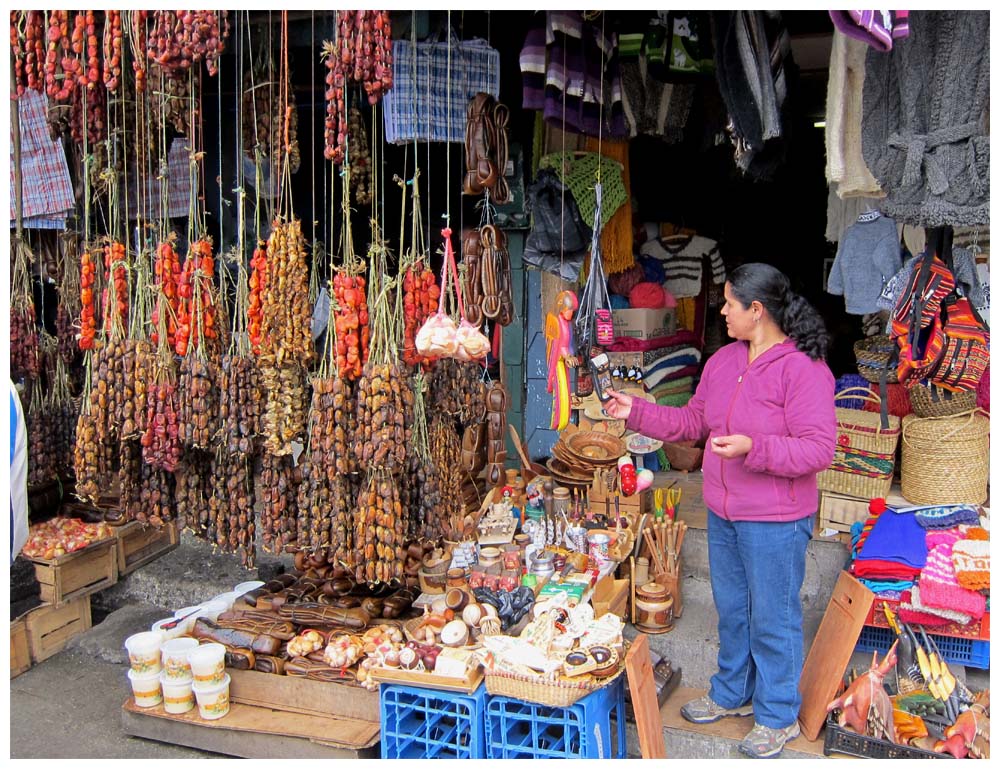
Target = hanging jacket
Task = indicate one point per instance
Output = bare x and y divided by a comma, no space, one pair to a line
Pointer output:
925,124
784,402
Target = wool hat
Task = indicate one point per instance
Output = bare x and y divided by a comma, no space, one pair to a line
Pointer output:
896,536
940,589
937,537
971,559
913,610
946,516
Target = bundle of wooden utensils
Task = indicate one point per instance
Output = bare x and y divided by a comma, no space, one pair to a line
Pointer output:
663,541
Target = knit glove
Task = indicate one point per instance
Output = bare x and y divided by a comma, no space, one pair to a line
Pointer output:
971,559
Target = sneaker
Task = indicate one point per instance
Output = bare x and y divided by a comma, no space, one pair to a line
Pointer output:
765,742
705,710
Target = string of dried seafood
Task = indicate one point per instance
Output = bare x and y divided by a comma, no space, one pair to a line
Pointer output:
161,442
92,459
23,333
458,389
69,296
264,116
279,481
379,530
41,448
422,498
446,453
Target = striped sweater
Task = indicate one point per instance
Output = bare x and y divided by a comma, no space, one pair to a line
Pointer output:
682,257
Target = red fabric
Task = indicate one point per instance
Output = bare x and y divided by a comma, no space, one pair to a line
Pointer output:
899,400
873,568
630,344
983,391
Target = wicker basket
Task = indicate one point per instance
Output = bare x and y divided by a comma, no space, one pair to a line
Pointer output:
872,353
557,694
866,452
924,405
946,460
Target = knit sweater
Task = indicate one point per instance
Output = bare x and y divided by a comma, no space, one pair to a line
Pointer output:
868,256
925,127
682,258
845,165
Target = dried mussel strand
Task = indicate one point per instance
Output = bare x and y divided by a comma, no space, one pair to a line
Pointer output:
286,408
379,530
69,297
161,441
90,461
41,448
23,330
192,495
157,505
130,478
287,316
446,452
279,490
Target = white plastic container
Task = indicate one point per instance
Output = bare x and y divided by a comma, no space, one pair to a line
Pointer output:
227,598
212,609
146,688
213,699
176,667
178,696
191,613
208,664
144,652
246,587
179,630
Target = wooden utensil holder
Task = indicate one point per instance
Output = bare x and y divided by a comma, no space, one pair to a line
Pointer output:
672,581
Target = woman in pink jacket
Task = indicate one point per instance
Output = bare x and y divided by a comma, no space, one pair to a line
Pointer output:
765,405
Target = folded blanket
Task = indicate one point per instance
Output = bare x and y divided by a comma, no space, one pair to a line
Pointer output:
630,344
670,363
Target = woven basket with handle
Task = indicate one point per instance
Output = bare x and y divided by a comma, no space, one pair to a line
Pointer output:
946,460
942,403
872,354
866,451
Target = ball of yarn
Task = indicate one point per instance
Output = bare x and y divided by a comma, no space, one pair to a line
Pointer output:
649,296
983,391
852,401
622,283
619,302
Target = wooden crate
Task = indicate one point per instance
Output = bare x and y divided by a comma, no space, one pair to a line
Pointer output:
77,574
639,503
296,694
139,543
50,627
20,651
839,511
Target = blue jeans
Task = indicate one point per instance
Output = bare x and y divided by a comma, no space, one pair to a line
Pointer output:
757,570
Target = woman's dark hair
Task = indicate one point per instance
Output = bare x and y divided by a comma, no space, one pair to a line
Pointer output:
758,282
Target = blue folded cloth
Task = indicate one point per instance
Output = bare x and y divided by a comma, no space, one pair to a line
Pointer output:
897,537
887,588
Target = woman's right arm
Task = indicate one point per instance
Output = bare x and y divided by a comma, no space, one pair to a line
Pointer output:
667,423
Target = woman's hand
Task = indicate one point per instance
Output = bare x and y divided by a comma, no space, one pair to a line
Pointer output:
731,446
620,405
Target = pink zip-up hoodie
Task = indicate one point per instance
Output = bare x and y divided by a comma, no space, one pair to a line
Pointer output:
784,402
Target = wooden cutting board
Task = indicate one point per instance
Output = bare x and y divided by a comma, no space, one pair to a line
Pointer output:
831,651
642,689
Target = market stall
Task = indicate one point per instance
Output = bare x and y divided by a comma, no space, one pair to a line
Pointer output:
249,306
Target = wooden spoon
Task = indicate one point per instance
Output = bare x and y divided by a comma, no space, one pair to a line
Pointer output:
529,469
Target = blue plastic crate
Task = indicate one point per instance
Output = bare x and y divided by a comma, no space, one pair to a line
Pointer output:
519,729
961,651
427,723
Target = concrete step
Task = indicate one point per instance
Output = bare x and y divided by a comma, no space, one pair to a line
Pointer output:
191,573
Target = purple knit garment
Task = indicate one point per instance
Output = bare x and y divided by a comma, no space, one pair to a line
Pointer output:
876,28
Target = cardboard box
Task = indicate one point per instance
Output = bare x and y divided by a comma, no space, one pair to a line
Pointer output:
644,324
